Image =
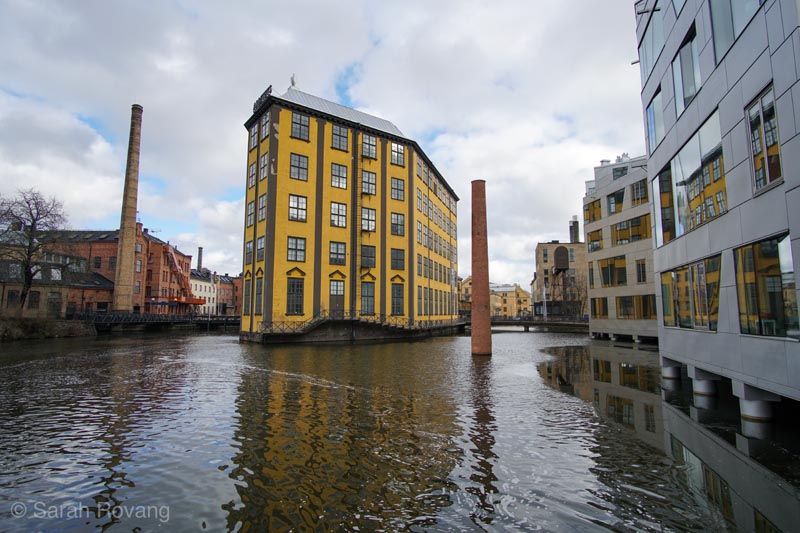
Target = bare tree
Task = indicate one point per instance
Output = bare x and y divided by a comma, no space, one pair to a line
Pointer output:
23,220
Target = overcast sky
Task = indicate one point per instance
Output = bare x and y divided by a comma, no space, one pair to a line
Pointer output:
528,95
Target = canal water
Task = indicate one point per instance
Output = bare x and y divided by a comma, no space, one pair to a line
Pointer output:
551,433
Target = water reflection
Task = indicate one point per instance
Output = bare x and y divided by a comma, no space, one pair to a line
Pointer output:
623,384
327,455
481,435
403,436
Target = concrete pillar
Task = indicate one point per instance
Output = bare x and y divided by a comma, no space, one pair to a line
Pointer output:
754,404
481,314
126,253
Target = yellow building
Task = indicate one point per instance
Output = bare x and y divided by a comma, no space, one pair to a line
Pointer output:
345,218
510,301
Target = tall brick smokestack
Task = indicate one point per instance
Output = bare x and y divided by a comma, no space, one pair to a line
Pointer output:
199,258
481,318
126,253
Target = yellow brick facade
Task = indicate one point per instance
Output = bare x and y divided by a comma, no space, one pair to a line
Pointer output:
323,193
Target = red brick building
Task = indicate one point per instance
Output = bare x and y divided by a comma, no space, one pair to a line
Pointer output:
161,271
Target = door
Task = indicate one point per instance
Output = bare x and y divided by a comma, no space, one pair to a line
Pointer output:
337,298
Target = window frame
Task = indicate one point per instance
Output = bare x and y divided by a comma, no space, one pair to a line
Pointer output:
299,211
300,126
296,249
338,215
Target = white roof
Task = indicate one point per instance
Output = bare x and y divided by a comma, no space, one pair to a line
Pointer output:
338,110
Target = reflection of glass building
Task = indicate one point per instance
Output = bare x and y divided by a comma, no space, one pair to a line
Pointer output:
749,484
622,382
717,79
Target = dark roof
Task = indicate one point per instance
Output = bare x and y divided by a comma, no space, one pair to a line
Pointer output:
204,275
90,280
81,235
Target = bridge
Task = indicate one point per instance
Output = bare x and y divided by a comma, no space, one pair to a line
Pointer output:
553,323
109,321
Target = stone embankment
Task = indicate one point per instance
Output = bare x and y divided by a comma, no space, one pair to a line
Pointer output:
12,329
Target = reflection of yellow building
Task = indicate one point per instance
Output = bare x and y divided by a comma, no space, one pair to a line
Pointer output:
706,191
344,217
313,452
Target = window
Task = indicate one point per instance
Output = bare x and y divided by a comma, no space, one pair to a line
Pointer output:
137,267
251,176
686,72
34,296
367,219
339,138
367,182
246,298
652,43
591,275
299,126
367,298
262,207
419,300
298,169
690,295
337,253
765,288
398,299
398,189
263,171
419,265
631,230
297,207
264,126
639,192
615,201
294,296
338,176
253,135
728,19
613,272
572,255
297,249
599,307
398,259
260,249
544,255
655,121
591,212
259,295
398,224
112,263
368,146
641,271
398,154
251,208
618,172
595,239
367,256
338,215
638,307
764,146
680,191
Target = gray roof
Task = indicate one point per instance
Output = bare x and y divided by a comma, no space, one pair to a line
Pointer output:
338,110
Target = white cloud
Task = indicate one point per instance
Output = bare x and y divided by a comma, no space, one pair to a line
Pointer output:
527,95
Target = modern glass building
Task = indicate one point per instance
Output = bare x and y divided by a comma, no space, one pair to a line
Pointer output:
719,84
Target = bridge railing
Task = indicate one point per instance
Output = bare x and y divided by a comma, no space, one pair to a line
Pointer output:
400,322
